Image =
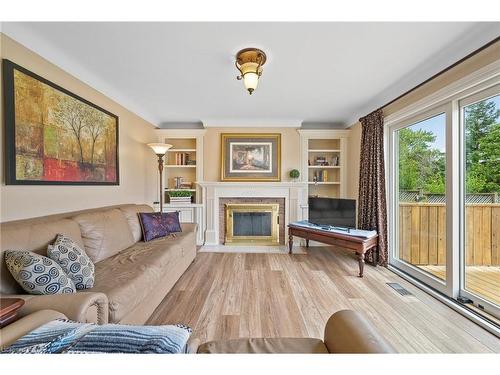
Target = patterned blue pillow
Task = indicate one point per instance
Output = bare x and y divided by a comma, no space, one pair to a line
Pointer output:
152,225
171,222
73,260
38,274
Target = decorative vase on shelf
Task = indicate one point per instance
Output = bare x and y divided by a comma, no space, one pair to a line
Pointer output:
156,206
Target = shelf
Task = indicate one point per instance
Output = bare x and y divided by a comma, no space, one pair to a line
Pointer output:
323,183
179,166
323,166
182,150
325,150
182,205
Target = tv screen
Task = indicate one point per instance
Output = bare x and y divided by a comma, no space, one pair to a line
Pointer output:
332,211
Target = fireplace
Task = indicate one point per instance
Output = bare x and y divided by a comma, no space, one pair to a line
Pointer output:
291,197
252,224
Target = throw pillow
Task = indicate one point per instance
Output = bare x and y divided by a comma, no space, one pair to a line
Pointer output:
171,222
152,225
38,274
73,260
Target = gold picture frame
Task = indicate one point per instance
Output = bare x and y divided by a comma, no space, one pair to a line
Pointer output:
251,157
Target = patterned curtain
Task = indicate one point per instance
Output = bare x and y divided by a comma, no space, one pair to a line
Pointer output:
372,210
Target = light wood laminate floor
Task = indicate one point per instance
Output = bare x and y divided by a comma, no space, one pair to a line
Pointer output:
225,296
480,280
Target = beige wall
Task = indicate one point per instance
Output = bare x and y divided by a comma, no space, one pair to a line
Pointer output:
481,59
353,148
290,150
137,162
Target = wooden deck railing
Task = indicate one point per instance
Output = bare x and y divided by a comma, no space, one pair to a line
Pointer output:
422,233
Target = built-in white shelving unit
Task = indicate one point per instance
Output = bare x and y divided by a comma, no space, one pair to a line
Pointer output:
319,151
323,161
179,166
188,142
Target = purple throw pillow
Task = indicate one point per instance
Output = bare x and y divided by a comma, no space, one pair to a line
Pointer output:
171,222
152,225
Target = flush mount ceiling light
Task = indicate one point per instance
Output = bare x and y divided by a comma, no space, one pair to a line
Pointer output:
249,62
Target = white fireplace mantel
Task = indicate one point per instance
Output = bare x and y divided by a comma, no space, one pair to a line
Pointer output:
294,193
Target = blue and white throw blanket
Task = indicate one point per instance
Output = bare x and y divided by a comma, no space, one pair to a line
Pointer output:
64,336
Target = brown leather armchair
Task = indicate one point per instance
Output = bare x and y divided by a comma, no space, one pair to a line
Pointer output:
346,331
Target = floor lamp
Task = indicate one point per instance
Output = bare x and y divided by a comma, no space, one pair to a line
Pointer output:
160,149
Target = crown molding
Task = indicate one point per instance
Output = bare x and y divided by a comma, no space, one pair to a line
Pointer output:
179,133
323,133
253,123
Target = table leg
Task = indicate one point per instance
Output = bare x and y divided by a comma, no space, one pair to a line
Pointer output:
290,243
307,242
361,262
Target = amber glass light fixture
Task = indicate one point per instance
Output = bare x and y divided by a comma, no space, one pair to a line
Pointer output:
160,149
249,62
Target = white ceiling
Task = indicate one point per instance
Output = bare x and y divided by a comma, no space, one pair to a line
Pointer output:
174,73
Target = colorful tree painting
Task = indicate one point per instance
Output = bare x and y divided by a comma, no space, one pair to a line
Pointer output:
59,137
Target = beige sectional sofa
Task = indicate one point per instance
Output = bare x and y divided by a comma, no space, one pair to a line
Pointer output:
131,276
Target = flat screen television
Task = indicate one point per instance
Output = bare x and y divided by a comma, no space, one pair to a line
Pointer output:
333,212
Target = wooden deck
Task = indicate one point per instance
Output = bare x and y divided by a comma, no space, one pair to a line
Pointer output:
225,296
484,281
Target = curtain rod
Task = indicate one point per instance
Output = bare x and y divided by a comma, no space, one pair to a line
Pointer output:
441,72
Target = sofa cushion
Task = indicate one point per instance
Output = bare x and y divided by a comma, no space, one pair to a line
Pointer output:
38,274
73,260
131,214
152,225
265,346
129,276
104,233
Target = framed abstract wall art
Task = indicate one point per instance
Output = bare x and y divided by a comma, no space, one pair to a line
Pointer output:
54,137
251,157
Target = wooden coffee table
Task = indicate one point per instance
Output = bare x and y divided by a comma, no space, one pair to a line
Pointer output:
9,307
358,244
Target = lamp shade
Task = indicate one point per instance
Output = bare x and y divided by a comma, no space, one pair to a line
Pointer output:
250,80
159,148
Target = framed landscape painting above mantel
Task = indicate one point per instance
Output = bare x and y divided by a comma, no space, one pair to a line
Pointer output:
251,157
54,137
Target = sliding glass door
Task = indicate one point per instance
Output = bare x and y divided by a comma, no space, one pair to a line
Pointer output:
480,200
444,194
419,202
